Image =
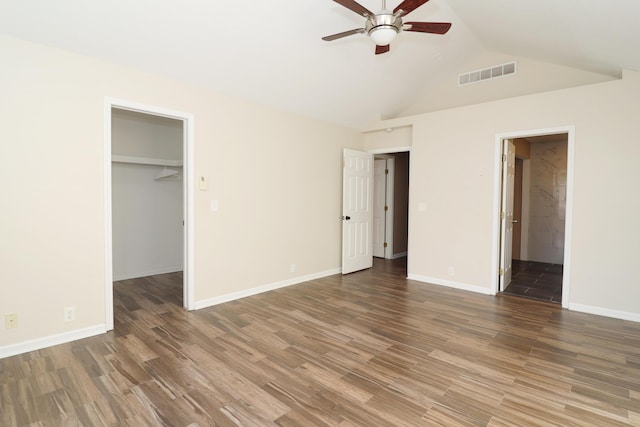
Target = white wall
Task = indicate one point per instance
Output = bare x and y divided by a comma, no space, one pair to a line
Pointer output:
547,202
276,175
147,222
453,161
147,213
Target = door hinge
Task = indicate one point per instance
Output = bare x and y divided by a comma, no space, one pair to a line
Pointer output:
502,215
386,208
504,157
501,271
386,171
385,244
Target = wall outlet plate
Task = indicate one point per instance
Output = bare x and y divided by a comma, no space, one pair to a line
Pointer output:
11,320
69,314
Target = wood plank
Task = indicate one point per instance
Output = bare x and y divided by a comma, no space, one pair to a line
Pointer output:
369,348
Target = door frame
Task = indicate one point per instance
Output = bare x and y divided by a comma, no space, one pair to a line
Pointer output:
389,197
497,190
188,199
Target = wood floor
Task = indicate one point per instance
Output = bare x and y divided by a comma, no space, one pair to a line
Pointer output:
366,349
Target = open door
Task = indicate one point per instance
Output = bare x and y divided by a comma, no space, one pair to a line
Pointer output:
379,207
506,212
357,211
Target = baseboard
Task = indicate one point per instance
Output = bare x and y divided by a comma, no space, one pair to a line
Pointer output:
398,255
264,288
50,341
616,314
450,284
117,278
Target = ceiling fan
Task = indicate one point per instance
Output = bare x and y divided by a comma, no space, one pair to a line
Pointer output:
384,26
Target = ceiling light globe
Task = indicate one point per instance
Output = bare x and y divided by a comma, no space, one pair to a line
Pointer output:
383,34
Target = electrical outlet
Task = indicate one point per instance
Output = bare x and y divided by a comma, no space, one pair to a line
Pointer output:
69,314
293,268
11,320
452,271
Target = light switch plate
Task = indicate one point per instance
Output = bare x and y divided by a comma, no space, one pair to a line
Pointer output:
203,184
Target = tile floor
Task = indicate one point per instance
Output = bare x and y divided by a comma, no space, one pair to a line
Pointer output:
536,280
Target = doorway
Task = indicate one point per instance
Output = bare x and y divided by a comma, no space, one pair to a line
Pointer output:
391,208
391,205
536,249
167,169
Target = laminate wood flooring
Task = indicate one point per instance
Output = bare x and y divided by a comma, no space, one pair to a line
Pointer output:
366,349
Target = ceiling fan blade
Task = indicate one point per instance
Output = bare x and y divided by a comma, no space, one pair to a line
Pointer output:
355,7
343,34
408,6
427,27
382,49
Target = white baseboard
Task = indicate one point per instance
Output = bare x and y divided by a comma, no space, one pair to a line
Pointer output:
450,284
398,255
50,341
117,278
616,314
264,288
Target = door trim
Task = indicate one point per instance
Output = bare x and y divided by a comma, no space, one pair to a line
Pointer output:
188,199
570,131
389,200
390,194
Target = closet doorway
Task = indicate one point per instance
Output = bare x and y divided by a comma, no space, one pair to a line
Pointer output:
148,196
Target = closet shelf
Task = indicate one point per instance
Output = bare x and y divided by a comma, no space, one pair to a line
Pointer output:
145,161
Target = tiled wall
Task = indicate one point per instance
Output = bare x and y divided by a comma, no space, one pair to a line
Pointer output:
548,190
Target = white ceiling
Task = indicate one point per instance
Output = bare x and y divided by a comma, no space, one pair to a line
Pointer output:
272,52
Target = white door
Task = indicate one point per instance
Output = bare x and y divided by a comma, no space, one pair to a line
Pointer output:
506,212
379,206
357,211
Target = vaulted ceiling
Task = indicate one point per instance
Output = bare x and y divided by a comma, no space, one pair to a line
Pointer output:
272,52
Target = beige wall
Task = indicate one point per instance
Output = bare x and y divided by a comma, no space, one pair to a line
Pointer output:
452,178
531,77
276,175
401,136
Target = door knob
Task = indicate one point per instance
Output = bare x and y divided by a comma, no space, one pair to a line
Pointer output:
346,218
515,221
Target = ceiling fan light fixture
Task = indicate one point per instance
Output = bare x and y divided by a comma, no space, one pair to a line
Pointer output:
384,26
382,35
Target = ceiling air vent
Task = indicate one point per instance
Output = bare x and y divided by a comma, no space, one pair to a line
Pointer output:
494,72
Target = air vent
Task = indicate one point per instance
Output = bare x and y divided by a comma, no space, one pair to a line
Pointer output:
494,72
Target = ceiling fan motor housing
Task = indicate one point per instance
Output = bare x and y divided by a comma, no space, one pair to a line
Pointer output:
381,21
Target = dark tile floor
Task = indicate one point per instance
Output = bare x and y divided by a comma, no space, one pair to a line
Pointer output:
536,280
